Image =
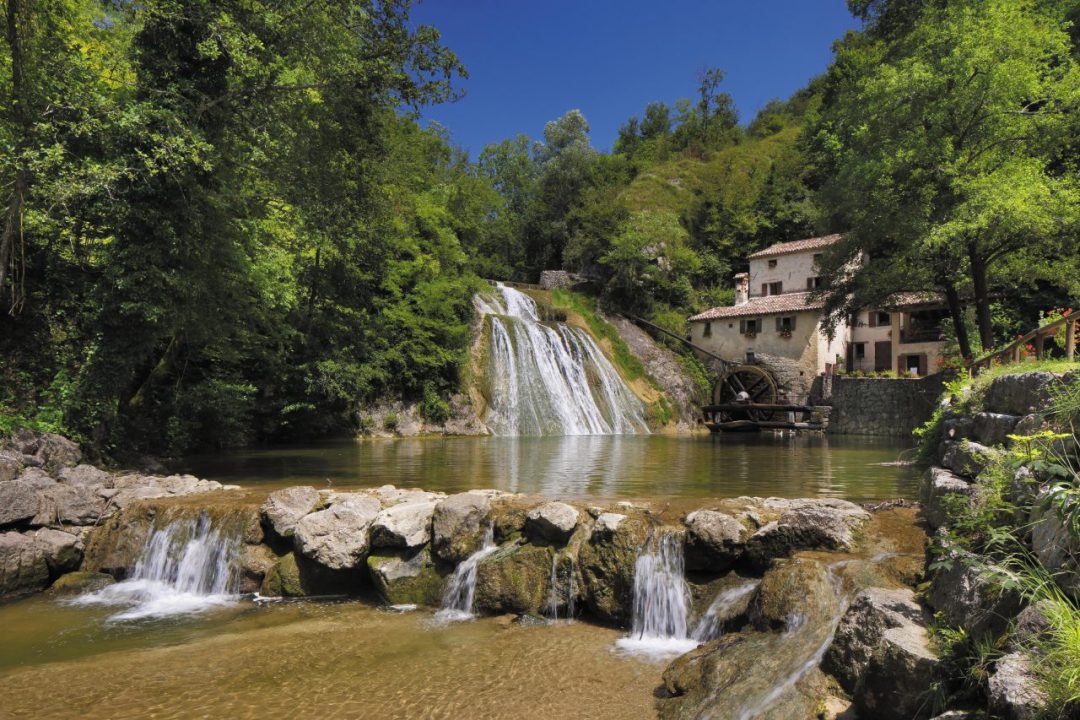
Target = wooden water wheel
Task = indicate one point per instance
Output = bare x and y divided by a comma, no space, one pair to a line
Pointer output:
745,385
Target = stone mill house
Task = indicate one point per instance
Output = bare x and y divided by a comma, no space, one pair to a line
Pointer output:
776,323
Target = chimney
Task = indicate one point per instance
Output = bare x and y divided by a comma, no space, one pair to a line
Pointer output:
742,288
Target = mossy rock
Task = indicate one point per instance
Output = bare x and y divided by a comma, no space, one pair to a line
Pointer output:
283,578
403,577
80,582
514,578
793,589
606,564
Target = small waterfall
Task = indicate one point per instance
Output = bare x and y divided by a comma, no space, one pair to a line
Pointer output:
550,379
711,625
551,610
457,602
660,600
187,566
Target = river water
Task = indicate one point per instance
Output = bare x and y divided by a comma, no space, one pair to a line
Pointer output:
351,659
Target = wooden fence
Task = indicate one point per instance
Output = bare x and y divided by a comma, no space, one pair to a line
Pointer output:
1014,351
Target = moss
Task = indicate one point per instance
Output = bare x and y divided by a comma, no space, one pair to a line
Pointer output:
401,578
283,578
515,578
76,583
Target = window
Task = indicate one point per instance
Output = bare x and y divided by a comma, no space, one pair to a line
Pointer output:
773,288
707,332
860,351
785,324
813,283
772,263
749,326
883,318
817,258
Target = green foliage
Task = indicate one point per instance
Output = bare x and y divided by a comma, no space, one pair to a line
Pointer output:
434,408
628,364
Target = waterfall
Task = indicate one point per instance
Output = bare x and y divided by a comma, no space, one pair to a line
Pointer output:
711,624
457,602
551,609
550,379
660,600
187,566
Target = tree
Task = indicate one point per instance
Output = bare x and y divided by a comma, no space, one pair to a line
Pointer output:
941,148
649,263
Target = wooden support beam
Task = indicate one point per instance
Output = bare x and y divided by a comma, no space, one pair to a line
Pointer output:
1039,341
1070,340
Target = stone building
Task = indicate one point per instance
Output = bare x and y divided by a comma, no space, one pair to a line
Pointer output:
775,320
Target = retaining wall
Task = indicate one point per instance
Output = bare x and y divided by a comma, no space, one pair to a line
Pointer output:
881,406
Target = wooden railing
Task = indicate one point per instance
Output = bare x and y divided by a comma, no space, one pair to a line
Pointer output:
1014,351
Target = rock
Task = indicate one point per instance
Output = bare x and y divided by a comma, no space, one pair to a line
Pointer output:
1029,425
256,561
62,505
406,577
283,578
57,452
63,551
967,458
10,467
966,599
1032,627
957,429
1014,691
80,583
1055,547
23,567
115,545
1021,393
514,578
388,495
508,514
459,524
714,540
881,654
792,593
552,522
607,523
84,475
940,485
960,715
606,564
18,501
407,525
994,428
808,525
337,538
284,508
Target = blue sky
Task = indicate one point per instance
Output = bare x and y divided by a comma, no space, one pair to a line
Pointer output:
529,61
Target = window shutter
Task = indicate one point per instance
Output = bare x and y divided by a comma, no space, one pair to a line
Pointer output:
792,327
872,318
742,325
779,323
809,283
764,288
922,365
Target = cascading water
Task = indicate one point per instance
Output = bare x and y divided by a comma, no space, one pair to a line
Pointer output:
711,625
550,379
457,602
661,609
187,566
551,610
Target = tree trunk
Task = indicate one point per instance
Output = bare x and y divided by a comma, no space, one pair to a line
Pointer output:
956,311
20,119
982,295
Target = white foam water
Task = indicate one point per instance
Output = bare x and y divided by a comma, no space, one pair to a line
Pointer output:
457,602
550,379
186,567
711,624
661,607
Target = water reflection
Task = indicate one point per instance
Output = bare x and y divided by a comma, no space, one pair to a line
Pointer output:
586,467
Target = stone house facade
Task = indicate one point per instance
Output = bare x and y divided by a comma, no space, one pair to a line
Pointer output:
775,316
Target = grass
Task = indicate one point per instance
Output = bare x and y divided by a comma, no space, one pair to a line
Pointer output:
629,365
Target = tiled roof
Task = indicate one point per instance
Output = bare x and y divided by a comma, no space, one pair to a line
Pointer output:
795,246
902,300
764,305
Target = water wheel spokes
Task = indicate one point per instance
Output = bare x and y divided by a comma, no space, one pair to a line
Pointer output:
749,385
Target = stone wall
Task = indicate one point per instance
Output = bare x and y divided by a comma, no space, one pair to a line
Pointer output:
553,279
881,406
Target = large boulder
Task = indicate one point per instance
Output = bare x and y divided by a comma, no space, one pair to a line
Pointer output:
18,502
1014,690
791,594
994,428
1021,393
57,452
552,522
881,655
256,562
808,525
406,577
10,467
714,540
967,458
337,537
284,508
509,513
514,579
939,487
607,564
24,568
63,551
966,597
407,525
84,475
1055,546
283,578
459,524
62,505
